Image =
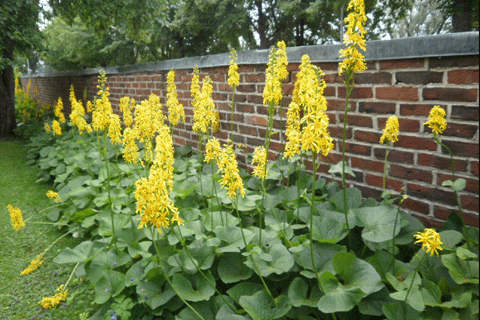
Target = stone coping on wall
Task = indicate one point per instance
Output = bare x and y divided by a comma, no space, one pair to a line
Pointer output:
454,44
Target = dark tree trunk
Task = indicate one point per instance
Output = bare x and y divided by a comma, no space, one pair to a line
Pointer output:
462,15
7,97
261,26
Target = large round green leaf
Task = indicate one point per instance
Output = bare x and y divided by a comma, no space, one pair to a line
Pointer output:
378,222
298,293
203,287
231,268
261,306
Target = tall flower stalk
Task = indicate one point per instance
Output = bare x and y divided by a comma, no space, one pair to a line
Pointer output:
390,134
353,62
233,82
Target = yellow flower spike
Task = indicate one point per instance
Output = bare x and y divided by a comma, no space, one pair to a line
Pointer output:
52,302
54,196
259,157
436,120
47,128
57,129
228,167
57,110
16,217
115,129
34,265
77,114
204,114
130,147
126,107
175,108
275,74
354,38
391,131
430,241
212,150
233,75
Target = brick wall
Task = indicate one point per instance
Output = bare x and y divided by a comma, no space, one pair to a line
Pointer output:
407,87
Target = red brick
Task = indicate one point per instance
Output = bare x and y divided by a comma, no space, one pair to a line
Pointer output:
406,125
377,107
374,78
452,62
429,222
463,76
357,93
450,94
333,78
358,149
394,155
472,184
419,77
465,113
402,64
367,136
337,132
252,131
410,173
469,202
397,93
475,167
443,213
416,143
460,130
416,205
361,121
375,180
464,149
432,194
367,164
339,105
439,162
255,120
258,77
416,109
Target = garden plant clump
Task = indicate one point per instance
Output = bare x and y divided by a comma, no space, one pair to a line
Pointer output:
177,234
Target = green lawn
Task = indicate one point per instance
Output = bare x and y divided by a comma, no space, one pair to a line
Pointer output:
20,294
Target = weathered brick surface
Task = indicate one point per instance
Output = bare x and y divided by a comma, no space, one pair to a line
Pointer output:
408,88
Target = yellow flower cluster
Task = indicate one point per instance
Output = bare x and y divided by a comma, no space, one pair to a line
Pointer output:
57,129
58,110
47,127
115,128
227,166
260,157
430,241
152,194
233,75
175,108
436,120
126,107
354,38
102,109
52,302
16,217
392,129
34,265
130,147
311,131
204,113
275,74
78,113
54,196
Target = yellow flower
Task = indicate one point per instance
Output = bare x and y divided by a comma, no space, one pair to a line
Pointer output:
34,265
57,129
233,75
195,87
175,108
47,127
126,107
275,74
260,157
16,217
212,150
430,241
52,302
57,110
354,38
77,114
311,131
115,129
436,120
392,128
228,167
54,196
204,114
152,194
130,147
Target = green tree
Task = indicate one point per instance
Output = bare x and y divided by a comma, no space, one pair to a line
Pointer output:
18,34
464,13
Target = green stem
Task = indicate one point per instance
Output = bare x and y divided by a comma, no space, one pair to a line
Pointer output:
413,280
385,164
114,238
232,106
168,279
393,235
181,239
